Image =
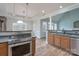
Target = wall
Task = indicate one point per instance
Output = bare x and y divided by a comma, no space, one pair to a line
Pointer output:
36,28
66,21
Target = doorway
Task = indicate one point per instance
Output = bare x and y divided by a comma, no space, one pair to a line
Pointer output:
44,25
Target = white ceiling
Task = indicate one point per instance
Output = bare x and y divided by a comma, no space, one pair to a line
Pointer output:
34,9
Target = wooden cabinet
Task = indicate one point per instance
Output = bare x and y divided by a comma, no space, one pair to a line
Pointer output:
57,39
65,43
33,45
50,38
3,49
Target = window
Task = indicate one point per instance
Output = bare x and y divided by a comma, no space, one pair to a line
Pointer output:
76,24
19,26
53,26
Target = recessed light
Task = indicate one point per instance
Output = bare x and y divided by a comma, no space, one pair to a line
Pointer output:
60,6
43,11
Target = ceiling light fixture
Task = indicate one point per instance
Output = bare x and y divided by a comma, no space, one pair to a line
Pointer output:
19,21
43,11
60,6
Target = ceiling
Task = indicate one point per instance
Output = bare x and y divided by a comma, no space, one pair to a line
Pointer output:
34,9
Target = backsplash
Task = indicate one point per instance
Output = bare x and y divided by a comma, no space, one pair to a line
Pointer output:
71,32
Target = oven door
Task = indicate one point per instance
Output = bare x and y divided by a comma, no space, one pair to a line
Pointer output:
20,49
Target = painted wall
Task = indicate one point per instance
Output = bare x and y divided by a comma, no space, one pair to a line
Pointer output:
66,21
36,28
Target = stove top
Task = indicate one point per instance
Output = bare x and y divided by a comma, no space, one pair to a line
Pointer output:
16,41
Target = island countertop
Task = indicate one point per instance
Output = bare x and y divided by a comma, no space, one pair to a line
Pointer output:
7,33
5,36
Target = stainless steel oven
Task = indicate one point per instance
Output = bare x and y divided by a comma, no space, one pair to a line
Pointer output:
20,48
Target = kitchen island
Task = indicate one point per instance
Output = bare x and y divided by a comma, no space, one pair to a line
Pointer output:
17,43
67,40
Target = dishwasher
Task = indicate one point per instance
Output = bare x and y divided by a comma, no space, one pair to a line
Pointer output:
75,45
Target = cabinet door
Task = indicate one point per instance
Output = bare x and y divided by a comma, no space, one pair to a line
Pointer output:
3,49
65,43
50,39
57,40
33,45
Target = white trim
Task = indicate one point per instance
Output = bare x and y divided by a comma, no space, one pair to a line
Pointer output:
50,23
46,37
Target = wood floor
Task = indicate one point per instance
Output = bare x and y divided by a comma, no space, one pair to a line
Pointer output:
43,49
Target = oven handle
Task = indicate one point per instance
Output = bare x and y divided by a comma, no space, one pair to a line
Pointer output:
20,43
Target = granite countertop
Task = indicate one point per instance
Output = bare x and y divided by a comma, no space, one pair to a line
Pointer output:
67,35
9,33
3,40
5,36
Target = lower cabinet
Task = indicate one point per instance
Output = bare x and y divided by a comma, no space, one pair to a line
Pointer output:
65,43
50,39
57,40
4,49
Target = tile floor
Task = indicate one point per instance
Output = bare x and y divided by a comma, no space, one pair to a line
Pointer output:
43,49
